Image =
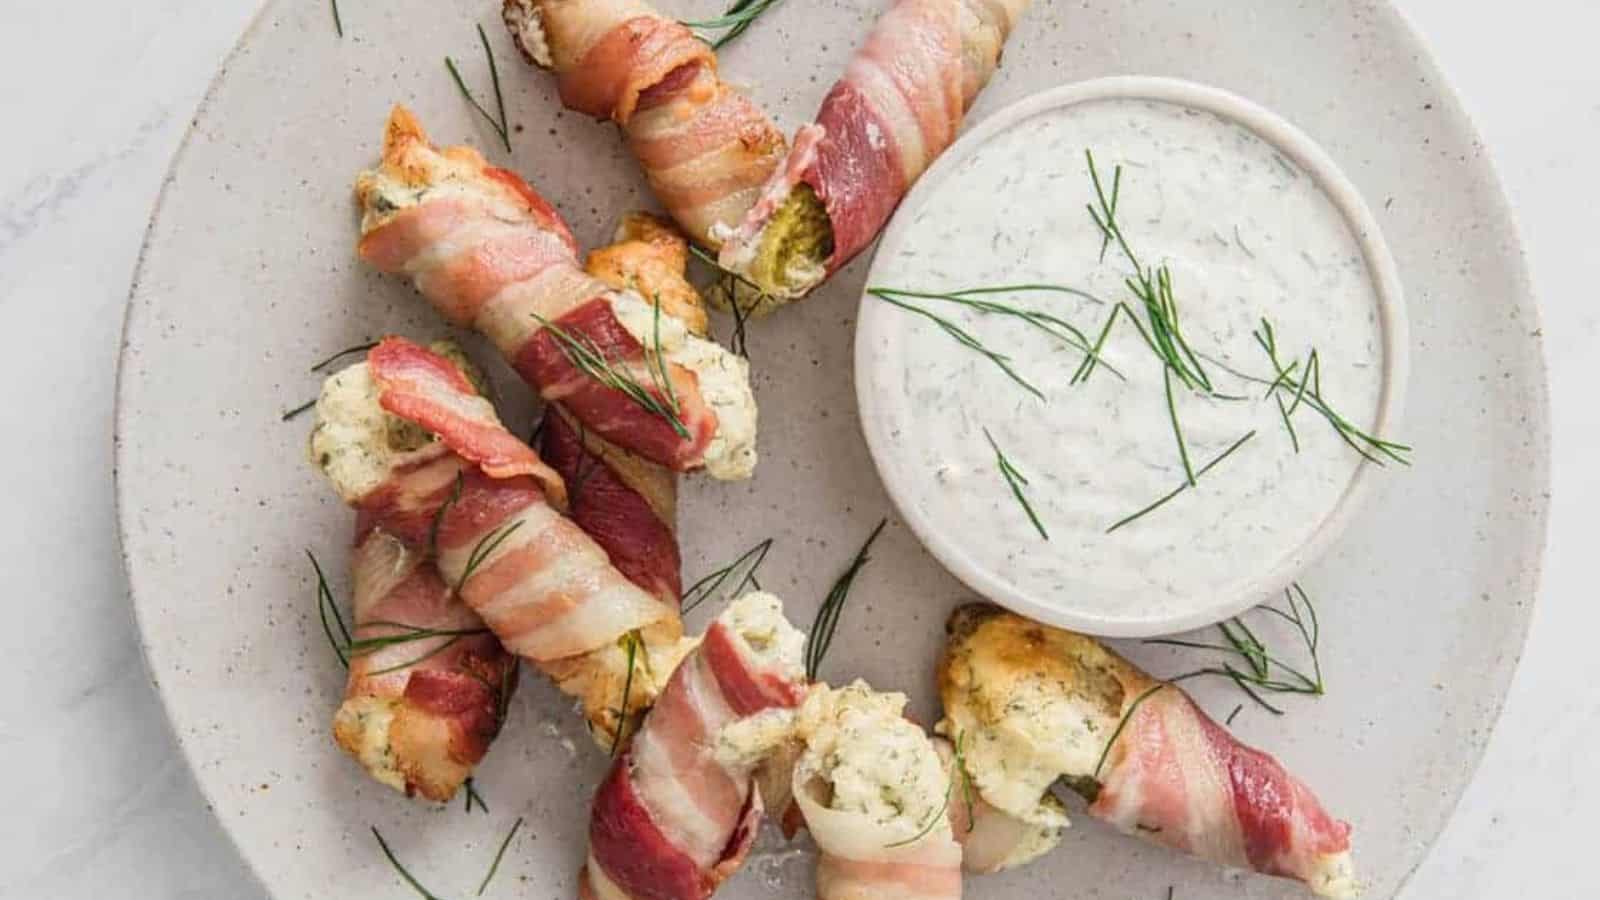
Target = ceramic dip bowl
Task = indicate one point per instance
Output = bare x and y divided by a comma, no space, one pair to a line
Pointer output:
1130,356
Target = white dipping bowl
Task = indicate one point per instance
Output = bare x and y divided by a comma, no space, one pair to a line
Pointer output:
885,334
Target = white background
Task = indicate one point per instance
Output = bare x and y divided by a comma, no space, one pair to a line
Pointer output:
95,97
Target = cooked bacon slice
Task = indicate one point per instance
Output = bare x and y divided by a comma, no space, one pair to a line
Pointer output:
423,387
874,794
490,253
1180,779
899,105
419,713
623,502
676,816
704,146
1038,704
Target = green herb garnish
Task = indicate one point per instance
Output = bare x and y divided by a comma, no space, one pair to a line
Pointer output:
473,797
1304,383
1185,486
738,17
966,339
338,21
1017,481
500,123
1262,671
481,550
1152,286
408,634
438,516
821,636
495,866
424,892
1123,723
741,571
1050,324
290,414
588,358
325,605
631,642
730,280
359,348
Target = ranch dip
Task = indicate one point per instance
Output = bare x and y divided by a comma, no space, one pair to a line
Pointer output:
1246,235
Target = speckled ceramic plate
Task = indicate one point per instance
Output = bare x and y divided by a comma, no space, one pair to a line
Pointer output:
250,276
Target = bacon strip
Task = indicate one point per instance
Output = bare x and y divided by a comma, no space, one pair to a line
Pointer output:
1179,779
420,386
899,105
418,714
624,503
704,146
488,252
672,820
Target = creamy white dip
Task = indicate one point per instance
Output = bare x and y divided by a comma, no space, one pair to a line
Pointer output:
1246,235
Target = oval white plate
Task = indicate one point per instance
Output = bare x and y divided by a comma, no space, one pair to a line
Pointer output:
879,348
249,277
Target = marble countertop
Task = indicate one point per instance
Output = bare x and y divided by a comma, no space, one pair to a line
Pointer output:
98,95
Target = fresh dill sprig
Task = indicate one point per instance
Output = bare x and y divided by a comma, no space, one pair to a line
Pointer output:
474,797
742,572
1152,286
1262,670
1017,481
444,509
821,636
1306,388
338,20
408,634
631,642
500,124
290,414
325,605
589,359
481,550
966,339
968,792
1123,723
1050,324
1177,429
738,17
359,348
1234,715
730,280
393,861
1185,486
495,866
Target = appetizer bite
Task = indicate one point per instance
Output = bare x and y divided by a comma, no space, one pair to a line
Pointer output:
490,253
704,146
428,683
876,798
407,440
679,809
1033,705
898,106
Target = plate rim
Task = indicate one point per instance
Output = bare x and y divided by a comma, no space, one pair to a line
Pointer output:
1448,101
